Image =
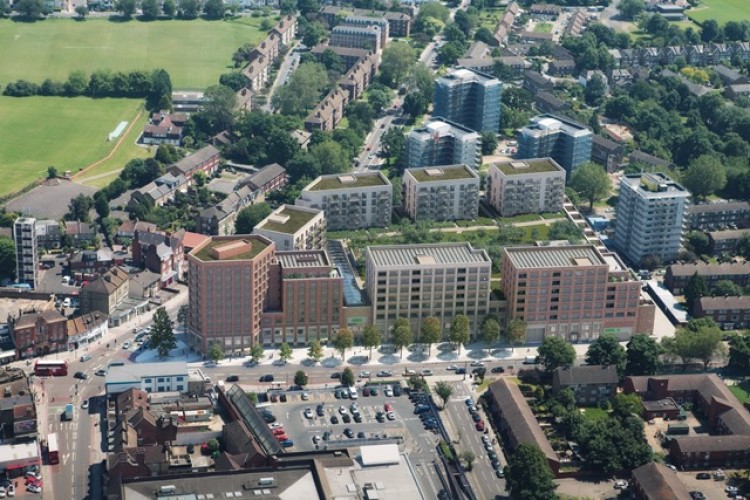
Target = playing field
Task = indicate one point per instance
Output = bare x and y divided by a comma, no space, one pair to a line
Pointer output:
721,10
194,53
69,134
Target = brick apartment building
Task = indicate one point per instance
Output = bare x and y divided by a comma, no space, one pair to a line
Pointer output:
713,216
399,23
526,186
204,160
678,275
727,445
591,384
448,192
257,71
358,37
573,292
39,333
730,313
305,299
160,253
228,284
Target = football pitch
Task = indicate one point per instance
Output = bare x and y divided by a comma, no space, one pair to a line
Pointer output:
194,53
67,133
721,10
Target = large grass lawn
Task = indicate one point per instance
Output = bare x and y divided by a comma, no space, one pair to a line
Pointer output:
194,52
36,132
721,10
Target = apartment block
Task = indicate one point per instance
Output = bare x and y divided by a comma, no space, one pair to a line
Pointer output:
294,228
357,37
449,192
262,56
713,216
651,214
27,250
469,98
573,292
228,284
677,275
418,281
441,142
366,21
730,313
350,201
566,141
725,242
305,299
399,23
526,186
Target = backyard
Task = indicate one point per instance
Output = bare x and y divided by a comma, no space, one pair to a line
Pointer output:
194,53
67,133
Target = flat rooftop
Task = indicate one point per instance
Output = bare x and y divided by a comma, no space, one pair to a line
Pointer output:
348,181
656,185
426,255
442,173
306,258
531,166
288,219
206,253
553,257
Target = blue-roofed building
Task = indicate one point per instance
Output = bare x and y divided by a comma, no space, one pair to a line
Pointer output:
469,98
564,140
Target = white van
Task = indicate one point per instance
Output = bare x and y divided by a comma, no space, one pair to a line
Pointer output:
531,360
353,393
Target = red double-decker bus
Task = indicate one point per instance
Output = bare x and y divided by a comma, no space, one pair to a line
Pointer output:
53,449
55,368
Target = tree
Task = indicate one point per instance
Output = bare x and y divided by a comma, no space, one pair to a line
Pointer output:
489,143
468,458
79,207
303,90
739,353
402,335
7,257
169,7
189,9
314,33
371,337
591,182
726,288
415,104
285,352
101,204
460,331
515,332
565,230
450,52
528,476
347,377
485,35
160,96
596,90
214,9
300,378
315,351
150,9
51,172
250,216
694,289
219,105
430,332
642,356
711,31
30,9
182,315
257,353
82,11
378,99
126,8
344,340
700,339
743,246
556,352
76,84
397,61
606,350
698,243
392,144
162,334
216,353
631,9
490,330
444,392
705,175
331,156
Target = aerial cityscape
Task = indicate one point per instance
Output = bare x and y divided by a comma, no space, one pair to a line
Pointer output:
369,249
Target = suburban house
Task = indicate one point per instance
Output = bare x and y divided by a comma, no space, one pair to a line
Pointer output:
164,128
591,384
105,293
160,253
127,229
516,422
81,233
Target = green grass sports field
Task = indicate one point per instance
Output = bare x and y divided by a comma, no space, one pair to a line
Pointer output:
68,134
721,10
194,52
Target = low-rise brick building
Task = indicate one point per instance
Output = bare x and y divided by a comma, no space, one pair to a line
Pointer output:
591,384
730,313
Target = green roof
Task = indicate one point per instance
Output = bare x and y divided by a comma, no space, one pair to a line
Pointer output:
351,181
259,245
297,219
536,166
450,172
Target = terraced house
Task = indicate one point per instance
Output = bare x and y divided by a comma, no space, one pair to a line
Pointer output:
350,201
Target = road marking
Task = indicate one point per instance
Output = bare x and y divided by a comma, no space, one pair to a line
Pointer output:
65,458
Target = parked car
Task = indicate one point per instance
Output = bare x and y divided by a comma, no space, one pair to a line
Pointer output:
384,373
426,373
374,391
308,413
336,375
334,419
85,404
320,410
365,391
287,443
480,426
348,432
703,475
361,435
621,484
391,415
498,369
478,363
347,419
